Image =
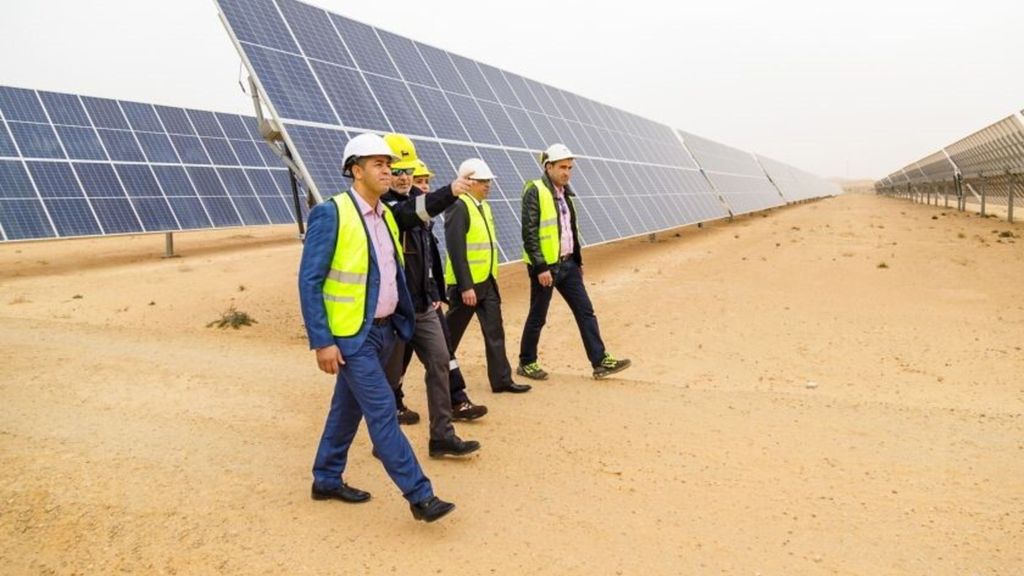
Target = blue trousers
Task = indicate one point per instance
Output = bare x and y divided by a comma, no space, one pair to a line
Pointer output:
362,390
569,282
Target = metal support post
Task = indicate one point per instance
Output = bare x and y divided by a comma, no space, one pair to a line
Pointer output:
169,246
1009,200
984,182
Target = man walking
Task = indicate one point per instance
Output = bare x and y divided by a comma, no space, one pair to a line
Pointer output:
354,300
551,250
428,340
471,273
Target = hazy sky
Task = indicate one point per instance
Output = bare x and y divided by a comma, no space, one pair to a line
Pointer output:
850,89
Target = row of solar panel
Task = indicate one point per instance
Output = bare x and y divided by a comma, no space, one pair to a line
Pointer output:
319,68
31,140
616,199
46,199
80,166
340,41
366,91
25,105
993,151
797,185
136,135
362,78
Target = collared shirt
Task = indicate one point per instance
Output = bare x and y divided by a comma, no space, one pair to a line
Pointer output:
565,218
380,237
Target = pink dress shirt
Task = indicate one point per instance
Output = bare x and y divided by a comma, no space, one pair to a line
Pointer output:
380,237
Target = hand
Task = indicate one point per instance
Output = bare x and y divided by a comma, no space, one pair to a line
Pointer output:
436,305
469,297
329,359
461,185
545,279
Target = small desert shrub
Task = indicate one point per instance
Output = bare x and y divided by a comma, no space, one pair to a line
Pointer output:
233,318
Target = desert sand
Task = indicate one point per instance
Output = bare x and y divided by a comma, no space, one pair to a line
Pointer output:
835,387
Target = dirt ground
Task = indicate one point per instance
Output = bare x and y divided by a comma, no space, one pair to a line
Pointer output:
829,388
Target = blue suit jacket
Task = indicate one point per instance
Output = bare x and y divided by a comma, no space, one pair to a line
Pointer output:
317,254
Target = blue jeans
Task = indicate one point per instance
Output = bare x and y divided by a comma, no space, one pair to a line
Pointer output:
568,280
362,390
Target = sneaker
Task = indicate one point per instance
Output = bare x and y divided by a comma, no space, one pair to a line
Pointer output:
467,411
407,416
609,365
533,371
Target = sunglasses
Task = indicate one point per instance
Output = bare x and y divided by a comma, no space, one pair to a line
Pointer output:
401,171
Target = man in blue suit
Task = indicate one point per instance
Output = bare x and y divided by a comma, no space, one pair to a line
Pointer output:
354,303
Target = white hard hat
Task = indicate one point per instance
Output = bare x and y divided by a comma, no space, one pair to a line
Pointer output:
362,146
475,169
556,152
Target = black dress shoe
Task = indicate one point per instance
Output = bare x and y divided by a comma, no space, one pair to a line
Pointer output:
431,509
513,388
344,493
452,446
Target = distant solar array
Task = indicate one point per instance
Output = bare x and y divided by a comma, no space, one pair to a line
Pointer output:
326,78
734,174
796,185
987,166
74,166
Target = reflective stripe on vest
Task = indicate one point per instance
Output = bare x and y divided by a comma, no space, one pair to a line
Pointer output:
547,229
346,285
481,245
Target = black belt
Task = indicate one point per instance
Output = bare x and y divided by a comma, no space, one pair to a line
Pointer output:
564,258
385,321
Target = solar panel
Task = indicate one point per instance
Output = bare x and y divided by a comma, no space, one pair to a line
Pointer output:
326,78
73,166
735,174
989,162
795,184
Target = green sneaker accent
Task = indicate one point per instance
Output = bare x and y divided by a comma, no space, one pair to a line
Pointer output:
532,371
609,365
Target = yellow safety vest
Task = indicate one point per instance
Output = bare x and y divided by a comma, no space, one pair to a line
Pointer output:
550,238
347,283
481,244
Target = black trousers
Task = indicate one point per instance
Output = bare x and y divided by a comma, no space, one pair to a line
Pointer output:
568,280
488,310
456,383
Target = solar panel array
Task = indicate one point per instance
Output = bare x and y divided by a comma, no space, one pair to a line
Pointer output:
796,185
735,175
73,166
326,78
989,160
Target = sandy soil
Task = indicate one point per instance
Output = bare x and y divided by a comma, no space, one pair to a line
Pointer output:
795,408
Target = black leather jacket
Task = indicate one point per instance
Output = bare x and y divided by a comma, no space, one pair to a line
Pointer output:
531,226
419,245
